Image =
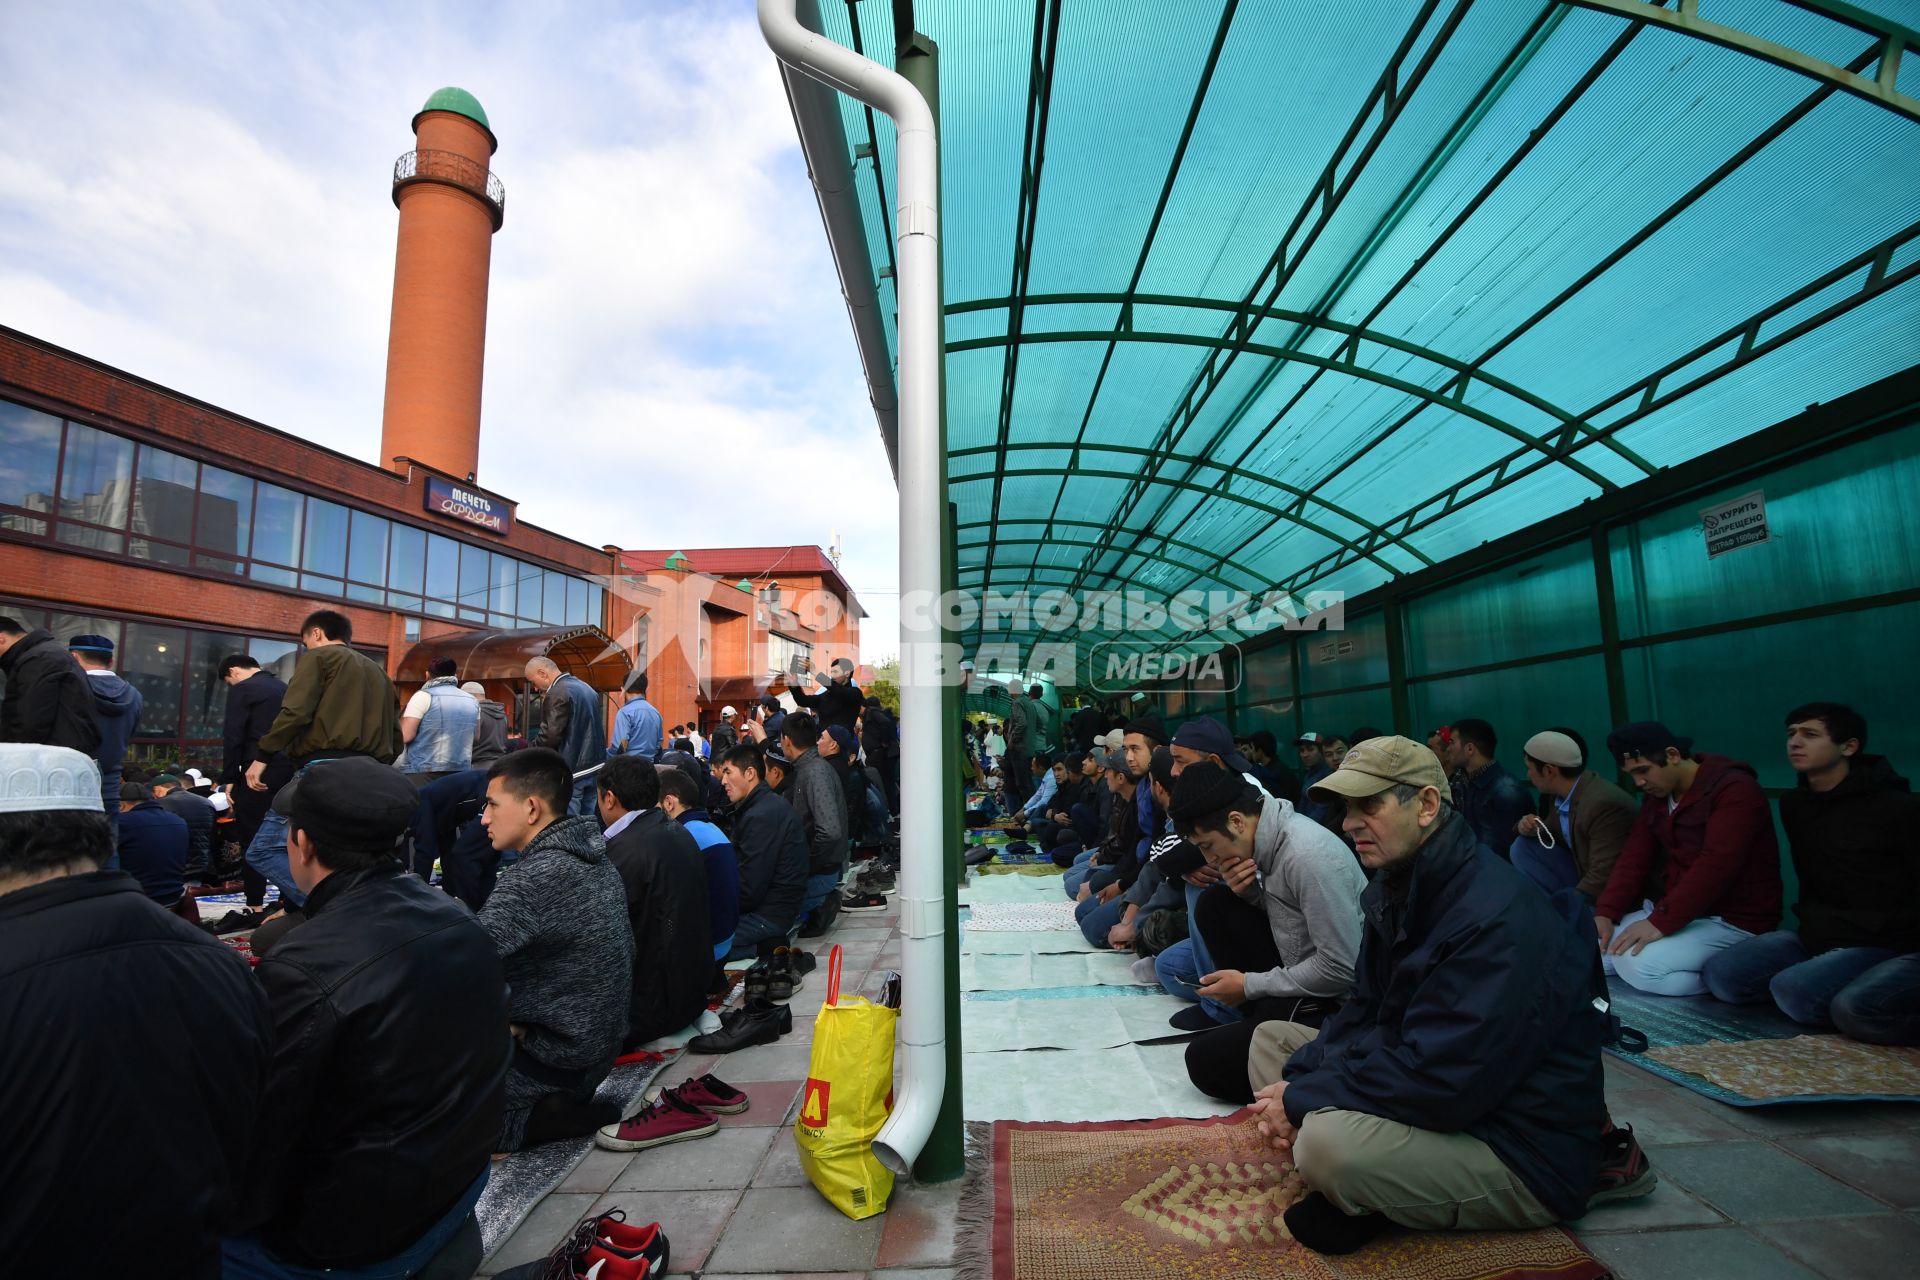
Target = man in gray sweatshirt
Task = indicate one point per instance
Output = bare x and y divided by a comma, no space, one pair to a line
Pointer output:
558,918
1282,926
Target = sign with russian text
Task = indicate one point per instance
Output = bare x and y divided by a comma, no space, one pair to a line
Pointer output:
1739,522
458,502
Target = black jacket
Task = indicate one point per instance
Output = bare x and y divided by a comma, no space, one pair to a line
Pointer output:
1856,850
1472,1013
390,1053
820,801
251,706
665,876
879,735
773,855
47,698
197,813
132,1059
834,704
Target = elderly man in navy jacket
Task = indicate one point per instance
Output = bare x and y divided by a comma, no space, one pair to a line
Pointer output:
1460,1085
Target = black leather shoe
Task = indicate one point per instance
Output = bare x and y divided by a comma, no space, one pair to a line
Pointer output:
756,1022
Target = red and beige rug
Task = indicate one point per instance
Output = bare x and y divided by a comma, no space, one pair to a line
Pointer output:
1192,1200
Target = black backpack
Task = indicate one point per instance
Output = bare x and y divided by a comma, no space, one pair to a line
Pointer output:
1577,911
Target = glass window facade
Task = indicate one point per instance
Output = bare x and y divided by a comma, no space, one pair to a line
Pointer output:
155,505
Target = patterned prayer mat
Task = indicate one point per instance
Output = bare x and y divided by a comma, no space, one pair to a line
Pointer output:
1022,917
1755,1056
1191,1200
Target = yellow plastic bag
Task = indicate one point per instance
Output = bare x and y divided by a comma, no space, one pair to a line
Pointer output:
849,1095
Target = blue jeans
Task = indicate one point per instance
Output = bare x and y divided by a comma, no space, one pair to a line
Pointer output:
1179,973
1882,1005
753,930
1077,873
268,852
1776,965
585,798
1551,869
1097,917
818,887
246,1258
1204,962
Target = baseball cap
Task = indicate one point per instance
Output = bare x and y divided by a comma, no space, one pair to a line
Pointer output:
199,778
1556,749
1379,763
1115,760
728,713
1309,737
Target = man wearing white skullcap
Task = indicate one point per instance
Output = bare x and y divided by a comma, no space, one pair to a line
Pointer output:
128,1030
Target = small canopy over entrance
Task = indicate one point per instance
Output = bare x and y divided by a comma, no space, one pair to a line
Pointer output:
501,657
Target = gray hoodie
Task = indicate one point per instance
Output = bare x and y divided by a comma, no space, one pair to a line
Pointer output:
489,733
1312,899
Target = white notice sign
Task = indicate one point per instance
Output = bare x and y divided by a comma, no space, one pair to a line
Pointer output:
1738,522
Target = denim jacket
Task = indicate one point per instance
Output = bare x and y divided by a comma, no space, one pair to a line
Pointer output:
444,741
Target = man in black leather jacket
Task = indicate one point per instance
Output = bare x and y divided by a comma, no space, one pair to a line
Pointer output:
390,1046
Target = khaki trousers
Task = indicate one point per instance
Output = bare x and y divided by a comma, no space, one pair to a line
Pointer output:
1416,1177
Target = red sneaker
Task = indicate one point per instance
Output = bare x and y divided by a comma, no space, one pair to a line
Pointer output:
712,1094
648,1242
585,1255
1624,1171
665,1119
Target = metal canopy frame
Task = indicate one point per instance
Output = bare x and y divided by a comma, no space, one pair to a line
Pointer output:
1181,457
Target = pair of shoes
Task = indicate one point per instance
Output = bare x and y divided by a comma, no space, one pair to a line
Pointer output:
602,1247
235,921
759,978
675,1115
786,976
1624,1171
758,1021
864,902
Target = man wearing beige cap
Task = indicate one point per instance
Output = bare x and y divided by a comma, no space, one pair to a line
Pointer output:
1577,843
1460,1085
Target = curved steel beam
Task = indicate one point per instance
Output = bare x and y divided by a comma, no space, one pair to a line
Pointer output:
1207,554
1238,473
1222,343
1465,373
1892,38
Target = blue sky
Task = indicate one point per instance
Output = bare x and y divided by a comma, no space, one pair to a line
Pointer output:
199,193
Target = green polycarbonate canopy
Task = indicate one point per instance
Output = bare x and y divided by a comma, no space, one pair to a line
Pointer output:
1268,294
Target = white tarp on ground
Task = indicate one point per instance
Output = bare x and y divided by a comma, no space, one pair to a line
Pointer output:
1013,888
1025,972
1028,942
1130,1082
1089,1022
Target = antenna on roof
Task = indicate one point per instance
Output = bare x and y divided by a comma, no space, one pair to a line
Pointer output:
833,548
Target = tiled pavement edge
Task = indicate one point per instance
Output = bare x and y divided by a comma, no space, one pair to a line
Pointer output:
1781,1193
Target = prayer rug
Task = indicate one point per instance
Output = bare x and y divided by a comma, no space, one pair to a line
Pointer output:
1756,1056
1192,1200
519,1182
1022,917
1017,868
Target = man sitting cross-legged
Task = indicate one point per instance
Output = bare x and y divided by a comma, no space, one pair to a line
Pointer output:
1460,1084
666,882
1282,926
558,918
390,1048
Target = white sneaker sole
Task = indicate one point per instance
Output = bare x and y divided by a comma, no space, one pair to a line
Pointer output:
609,1139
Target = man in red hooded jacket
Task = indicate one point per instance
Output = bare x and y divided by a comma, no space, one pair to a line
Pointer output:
1701,867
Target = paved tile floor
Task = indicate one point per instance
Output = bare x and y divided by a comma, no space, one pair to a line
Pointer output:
1782,1193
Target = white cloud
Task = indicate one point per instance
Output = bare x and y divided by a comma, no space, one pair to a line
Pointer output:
199,194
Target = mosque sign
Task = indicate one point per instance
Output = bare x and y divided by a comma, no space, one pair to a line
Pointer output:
1735,523
458,502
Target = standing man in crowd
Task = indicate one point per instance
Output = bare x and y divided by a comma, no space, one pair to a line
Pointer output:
569,725
1016,762
1853,832
1701,867
439,725
880,740
839,700
146,1036
116,711
47,698
490,730
338,704
772,845
253,701
1578,845
390,1049
1460,1086
637,725
558,918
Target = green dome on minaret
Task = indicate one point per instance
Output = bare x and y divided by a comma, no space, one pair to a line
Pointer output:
461,103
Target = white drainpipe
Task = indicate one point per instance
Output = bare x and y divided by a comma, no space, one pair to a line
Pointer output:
922,1034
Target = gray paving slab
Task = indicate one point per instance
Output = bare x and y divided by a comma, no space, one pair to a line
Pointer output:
781,1168
597,1171
795,1229
1802,1118
721,1161
786,1059
544,1228
1662,1118
1756,1182
692,1220
1884,1165
1715,1253
1868,1249
1670,1205
921,1222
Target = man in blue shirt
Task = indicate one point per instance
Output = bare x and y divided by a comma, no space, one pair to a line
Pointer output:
636,729
1044,787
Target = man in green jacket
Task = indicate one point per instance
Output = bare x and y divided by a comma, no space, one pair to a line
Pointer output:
338,704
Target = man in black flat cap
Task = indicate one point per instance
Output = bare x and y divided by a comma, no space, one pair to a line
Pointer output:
390,1046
